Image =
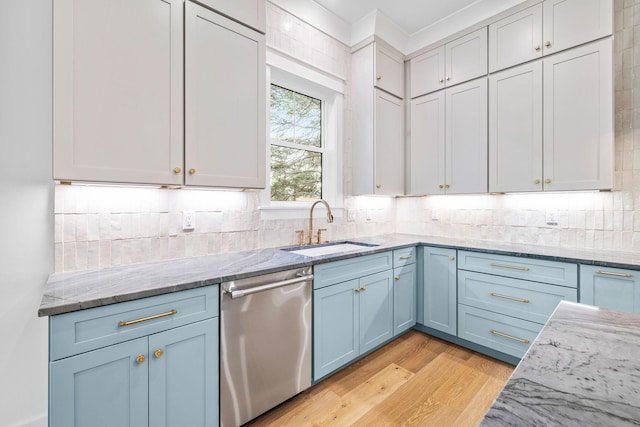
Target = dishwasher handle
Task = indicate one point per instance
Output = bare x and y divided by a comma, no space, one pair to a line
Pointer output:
239,293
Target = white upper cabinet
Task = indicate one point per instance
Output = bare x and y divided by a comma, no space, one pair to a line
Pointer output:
389,69
578,118
547,28
516,39
378,126
118,96
427,148
458,61
225,128
568,23
515,129
248,12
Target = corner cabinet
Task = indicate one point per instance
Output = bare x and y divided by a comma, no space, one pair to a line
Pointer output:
124,112
614,288
378,120
225,104
106,369
438,300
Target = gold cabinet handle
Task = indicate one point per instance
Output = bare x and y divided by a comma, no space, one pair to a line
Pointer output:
177,170
358,289
440,186
192,171
513,267
611,273
158,353
378,77
547,44
447,186
537,48
452,258
547,181
493,294
144,319
405,257
364,288
511,337
140,359
536,181
397,277
378,186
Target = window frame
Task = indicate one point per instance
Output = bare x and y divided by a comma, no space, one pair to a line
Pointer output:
294,75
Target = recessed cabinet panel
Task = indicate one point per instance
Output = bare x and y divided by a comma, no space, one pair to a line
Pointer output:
578,118
389,70
439,297
249,12
389,145
466,138
466,57
427,72
515,129
118,94
568,23
427,159
224,103
516,39
376,310
614,288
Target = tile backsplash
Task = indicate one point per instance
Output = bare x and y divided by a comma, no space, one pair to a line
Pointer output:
98,227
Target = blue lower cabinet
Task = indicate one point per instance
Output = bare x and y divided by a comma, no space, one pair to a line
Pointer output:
101,388
614,288
350,319
439,300
404,298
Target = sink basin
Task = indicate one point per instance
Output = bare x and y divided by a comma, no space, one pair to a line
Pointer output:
328,249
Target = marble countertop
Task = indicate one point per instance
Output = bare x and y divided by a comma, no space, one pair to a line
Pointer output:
583,369
66,292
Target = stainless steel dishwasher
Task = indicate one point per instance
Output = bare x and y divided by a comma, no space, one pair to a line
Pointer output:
265,343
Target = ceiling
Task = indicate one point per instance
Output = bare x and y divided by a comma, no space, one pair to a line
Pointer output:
410,15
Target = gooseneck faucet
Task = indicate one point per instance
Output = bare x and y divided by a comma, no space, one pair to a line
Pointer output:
329,218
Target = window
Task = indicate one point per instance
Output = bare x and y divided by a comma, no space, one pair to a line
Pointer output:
297,146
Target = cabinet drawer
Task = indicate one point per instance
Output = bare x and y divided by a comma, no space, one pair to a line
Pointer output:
497,331
404,256
537,270
519,298
352,268
614,288
81,331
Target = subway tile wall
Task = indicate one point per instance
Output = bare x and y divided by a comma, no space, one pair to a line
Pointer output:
98,227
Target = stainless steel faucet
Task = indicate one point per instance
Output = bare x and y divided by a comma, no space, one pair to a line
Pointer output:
329,218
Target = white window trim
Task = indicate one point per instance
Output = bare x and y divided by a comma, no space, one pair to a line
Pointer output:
291,74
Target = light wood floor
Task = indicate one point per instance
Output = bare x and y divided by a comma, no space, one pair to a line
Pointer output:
417,380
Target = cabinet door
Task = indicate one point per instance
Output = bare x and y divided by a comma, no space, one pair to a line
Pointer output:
515,129
105,387
336,327
249,12
569,23
427,156
466,57
224,102
376,310
183,376
118,94
466,138
578,119
389,145
612,288
440,289
389,69
404,298
516,39
427,72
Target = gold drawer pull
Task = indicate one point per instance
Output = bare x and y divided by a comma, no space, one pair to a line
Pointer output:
513,267
144,319
397,277
610,273
493,294
405,257
494,332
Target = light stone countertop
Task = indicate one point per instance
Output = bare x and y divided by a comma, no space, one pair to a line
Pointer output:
66,292
583,369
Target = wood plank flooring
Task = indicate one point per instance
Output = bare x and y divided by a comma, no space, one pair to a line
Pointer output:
417,380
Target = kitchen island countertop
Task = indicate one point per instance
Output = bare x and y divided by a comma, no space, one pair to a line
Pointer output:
583,369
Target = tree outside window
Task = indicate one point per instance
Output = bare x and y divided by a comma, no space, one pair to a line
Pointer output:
296,146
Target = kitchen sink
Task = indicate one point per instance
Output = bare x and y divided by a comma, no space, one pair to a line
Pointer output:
329,248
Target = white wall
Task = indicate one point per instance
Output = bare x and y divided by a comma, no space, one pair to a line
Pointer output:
26,197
